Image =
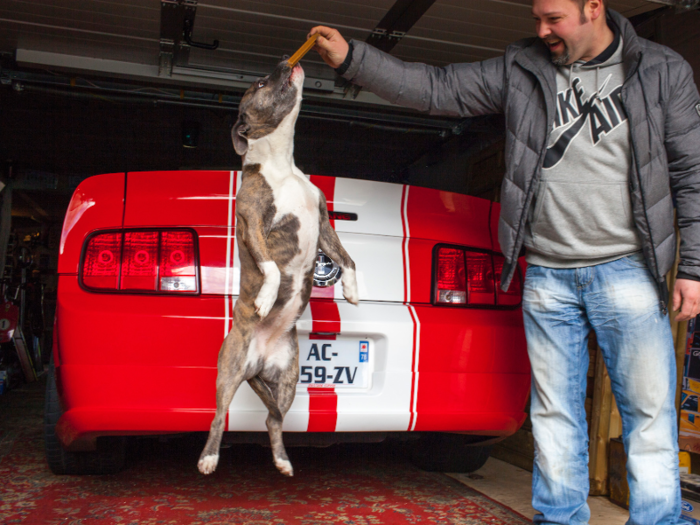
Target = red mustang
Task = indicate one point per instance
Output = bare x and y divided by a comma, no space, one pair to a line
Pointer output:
148,273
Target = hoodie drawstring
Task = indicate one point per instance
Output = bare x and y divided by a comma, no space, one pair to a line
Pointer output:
571,75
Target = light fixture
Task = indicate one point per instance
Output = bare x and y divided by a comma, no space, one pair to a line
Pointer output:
190,134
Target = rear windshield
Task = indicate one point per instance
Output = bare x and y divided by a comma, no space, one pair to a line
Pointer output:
463,157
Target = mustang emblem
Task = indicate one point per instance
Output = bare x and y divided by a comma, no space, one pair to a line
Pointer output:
327,272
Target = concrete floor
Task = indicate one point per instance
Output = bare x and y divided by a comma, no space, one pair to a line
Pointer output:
511,486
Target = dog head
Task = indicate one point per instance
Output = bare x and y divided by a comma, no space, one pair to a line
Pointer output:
266,104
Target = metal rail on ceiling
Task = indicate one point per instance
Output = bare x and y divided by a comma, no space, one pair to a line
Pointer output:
113,91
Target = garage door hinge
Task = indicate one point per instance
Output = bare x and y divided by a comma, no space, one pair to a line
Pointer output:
165,64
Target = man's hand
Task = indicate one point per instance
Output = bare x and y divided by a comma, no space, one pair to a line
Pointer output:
330,45
686,298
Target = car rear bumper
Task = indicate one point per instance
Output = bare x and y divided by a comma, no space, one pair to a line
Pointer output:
147,365
108,403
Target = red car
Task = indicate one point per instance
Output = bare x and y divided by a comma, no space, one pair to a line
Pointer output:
148,273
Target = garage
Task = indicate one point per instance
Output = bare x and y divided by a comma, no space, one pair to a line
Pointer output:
145,95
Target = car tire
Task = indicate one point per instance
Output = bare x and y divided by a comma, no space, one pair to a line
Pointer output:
444,452
109,458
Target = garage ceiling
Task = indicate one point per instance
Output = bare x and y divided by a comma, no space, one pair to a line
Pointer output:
124,37
94,86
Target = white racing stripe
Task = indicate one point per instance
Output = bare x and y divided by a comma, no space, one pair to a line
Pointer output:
414,408
374,240
378,266
236,264
412,310
386,405
378,243
227,278
377,204
407,235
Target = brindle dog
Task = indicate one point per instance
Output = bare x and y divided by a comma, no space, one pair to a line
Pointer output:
282,221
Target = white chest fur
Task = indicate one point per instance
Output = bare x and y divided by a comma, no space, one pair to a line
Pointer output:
295,195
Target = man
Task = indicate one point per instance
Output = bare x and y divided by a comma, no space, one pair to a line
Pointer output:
601,125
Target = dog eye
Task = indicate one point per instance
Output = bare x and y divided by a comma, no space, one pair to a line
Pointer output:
261,83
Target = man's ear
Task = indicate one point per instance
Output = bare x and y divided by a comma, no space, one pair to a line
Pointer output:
238,134
596,8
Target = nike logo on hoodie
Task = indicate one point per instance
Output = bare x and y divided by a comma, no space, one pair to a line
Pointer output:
602,114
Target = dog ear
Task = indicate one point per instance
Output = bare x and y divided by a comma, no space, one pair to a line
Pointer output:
238,134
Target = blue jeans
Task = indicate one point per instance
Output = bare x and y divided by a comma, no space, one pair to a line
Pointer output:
620,301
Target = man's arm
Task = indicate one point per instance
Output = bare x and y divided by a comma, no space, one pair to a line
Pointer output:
682,131
459,90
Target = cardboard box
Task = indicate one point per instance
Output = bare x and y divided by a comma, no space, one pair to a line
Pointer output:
620,491
617,474
684,463
689,431
690,498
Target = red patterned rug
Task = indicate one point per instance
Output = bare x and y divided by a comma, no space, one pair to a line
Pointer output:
347,484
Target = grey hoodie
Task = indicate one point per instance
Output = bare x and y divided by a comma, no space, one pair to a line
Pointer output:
582,212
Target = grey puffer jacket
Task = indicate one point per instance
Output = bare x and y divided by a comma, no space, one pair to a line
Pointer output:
659,96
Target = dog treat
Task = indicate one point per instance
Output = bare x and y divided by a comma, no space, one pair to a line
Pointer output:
296,57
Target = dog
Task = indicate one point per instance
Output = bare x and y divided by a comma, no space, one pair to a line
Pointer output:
282,222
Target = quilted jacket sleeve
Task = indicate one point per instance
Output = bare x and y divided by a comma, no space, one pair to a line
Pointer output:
458,90
683,149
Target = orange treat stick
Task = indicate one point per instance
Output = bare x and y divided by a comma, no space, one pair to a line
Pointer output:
296,57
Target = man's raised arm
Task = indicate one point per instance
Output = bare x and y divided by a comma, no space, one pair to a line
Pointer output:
457,90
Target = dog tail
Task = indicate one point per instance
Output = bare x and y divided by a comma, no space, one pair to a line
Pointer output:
265,394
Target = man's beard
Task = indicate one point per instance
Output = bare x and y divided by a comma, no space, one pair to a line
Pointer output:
562,59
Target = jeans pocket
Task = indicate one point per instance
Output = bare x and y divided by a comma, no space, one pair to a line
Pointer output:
635,260
534,272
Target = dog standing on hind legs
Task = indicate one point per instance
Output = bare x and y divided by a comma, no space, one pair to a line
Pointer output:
282,221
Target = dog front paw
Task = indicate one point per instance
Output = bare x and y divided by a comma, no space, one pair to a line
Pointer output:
268,291
265,301
207,464
350,286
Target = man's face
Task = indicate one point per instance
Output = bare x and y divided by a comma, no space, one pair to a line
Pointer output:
563,28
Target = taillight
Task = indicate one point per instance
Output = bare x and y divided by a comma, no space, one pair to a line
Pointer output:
514,294
177,264
101,262
471,277
451,282
140,261
480,278
145,261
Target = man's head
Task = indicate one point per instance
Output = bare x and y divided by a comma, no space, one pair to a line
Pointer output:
572,29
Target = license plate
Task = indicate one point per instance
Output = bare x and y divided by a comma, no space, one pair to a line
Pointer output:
343,363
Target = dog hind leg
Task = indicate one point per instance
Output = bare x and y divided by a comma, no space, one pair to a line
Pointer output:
231,373
280,386
261,388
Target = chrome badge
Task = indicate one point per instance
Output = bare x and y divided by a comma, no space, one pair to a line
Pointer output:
327,272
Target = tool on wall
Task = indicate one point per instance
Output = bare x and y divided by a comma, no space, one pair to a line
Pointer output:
176,26
187,30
